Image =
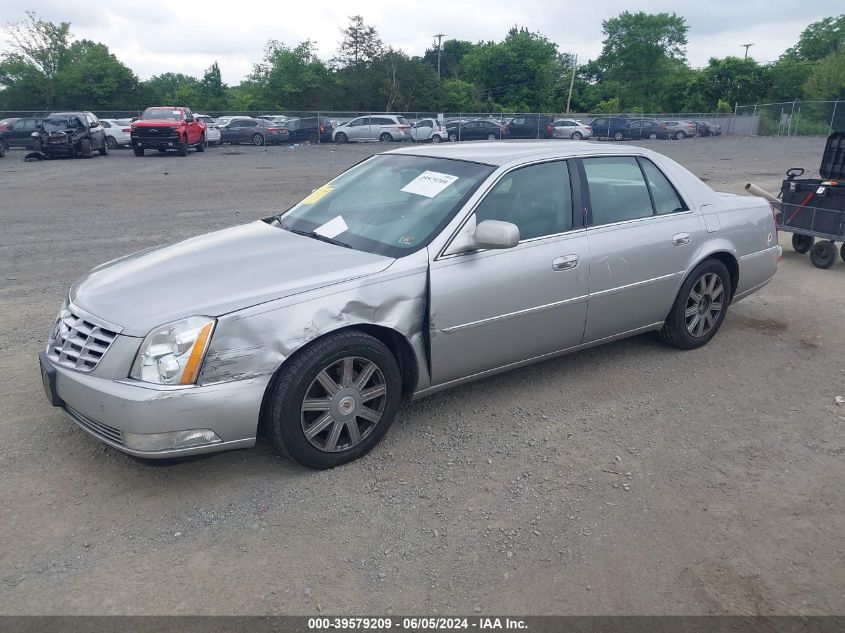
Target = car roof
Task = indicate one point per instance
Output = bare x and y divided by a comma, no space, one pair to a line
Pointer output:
498,153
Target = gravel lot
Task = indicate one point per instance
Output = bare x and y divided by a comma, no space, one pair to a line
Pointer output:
630,478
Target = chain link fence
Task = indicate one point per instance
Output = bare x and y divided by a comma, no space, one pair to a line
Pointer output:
793,118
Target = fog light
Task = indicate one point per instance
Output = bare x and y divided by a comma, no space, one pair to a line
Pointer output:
154,442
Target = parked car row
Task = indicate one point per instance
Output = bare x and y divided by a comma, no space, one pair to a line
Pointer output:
623,128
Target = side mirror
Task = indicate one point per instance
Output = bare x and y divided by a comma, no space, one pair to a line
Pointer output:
495,234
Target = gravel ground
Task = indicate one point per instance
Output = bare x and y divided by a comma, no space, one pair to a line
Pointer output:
627,479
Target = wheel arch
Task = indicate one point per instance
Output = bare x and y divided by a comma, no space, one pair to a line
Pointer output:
395,341
727,258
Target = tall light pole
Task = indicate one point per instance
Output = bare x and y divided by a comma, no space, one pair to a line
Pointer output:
439,37
747,46
571,83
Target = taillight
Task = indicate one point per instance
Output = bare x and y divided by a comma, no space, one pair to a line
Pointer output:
126,129
322,129
273,129
589,128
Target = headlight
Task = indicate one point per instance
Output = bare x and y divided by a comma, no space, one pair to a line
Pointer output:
58,325
171,354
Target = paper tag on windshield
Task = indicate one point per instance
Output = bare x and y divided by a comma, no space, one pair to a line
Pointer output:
332,228
429,184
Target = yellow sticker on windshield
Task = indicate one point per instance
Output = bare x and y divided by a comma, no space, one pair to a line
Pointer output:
317,194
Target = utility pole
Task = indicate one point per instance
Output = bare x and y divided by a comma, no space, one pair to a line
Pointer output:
747,46
439,37
571,83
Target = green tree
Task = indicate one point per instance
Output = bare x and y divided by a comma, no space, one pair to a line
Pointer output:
827,82
451,54
292,78
174,89
360,43
736,80
639,50
38,52
214,93
521,72
94,79
819,39
458,96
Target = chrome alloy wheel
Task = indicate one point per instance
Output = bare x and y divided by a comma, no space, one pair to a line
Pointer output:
343,404
704,304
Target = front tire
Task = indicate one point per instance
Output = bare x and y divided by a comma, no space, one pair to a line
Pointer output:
257,139
700,307
453,137
823,254
802,243
202,144
335,400
183,147
577,136
111,143
436,139
618,136
103,149
139,151
680,136
340,138
85,148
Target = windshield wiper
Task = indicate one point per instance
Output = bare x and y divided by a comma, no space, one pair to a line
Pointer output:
314,235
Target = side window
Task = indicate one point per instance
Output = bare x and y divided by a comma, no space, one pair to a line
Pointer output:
617,189
27,125
537,198
520,120
666,199
105,124
249,123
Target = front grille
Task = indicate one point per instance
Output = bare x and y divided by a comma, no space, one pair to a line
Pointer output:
102,431
79,340
154,132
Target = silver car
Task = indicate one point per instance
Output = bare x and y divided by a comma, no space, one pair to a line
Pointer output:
381,127
416,270
571,128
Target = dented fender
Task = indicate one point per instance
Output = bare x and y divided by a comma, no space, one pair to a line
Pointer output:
256,341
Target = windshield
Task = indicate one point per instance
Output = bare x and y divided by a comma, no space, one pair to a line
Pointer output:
390,204
161,113
62,122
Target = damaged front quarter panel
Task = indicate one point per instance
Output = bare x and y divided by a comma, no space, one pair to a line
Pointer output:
257,340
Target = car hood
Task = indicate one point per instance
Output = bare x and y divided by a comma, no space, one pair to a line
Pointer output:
156,123
214,274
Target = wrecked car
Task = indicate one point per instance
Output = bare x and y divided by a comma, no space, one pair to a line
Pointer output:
416,270
70,134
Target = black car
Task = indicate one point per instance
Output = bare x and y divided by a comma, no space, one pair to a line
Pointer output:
308,128
18,133
531,126
253,131
475,130
646,128
70,134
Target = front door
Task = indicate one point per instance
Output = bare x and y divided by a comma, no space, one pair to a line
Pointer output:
492,308
642,239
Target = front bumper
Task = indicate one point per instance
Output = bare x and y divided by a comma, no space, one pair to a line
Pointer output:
169,141
108,409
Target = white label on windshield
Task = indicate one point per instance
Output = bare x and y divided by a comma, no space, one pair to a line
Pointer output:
429,184
176,112
332,228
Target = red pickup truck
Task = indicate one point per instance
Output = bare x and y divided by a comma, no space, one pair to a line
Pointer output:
167,127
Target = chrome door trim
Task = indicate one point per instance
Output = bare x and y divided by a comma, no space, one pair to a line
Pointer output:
636,284
497,370
511,315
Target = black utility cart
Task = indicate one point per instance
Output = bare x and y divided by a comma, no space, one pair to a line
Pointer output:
815,207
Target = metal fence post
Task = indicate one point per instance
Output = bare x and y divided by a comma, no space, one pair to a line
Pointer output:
319,129
789,126
754,123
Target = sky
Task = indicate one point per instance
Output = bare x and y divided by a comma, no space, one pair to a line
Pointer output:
156,36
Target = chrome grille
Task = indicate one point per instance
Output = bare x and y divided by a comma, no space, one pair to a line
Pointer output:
101,431
79,340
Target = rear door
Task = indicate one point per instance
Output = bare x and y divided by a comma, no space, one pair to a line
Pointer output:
493,308
642,239
20,133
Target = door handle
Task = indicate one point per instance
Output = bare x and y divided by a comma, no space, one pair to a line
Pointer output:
567,262
681,239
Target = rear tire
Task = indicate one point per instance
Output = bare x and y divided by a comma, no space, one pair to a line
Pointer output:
183,146
652,136
313,138
299,400
618,136
85,148
680,136
257,139
385,137
139,151
700,307
103,150
436,139
111,143
453,137
2,149
842,252
577,136
802,243
823,254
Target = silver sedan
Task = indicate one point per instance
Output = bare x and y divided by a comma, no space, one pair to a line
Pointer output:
571,128
416,270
